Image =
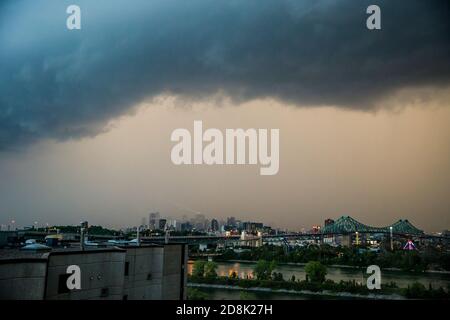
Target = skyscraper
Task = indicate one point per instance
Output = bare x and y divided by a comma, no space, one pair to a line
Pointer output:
214,225
153,220
162,224
231,221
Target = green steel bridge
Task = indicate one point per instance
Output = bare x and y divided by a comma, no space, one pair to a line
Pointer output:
346,225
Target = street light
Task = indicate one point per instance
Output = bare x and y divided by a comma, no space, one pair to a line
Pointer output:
392,239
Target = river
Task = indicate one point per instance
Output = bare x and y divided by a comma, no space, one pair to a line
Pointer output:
245,270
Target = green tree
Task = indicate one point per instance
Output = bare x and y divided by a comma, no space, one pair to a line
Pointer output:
277,276
315,271
195,294
264,268
411,261
229,254
199,269
415,291
210,270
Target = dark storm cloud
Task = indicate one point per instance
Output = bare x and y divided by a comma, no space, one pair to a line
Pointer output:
56,83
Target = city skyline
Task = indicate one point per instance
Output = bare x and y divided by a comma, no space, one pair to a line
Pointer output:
204,223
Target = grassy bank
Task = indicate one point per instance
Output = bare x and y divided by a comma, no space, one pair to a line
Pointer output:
328,287
195,293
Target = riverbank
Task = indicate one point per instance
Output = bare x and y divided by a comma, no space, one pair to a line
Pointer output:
302,264
289,272
324,294
343,289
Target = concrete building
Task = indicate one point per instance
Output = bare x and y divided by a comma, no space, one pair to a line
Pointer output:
101,274
155,272
231,221
128,272
162,224
214,225
17,276
153,220
252,227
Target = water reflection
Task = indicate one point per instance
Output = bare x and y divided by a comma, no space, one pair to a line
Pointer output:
245,271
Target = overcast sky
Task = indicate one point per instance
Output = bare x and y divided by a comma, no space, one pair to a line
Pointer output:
86,115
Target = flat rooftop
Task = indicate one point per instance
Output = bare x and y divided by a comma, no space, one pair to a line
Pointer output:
18,253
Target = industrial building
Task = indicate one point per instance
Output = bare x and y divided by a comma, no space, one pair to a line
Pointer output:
134,272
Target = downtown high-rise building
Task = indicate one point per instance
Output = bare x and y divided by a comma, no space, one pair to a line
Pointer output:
214,225
231,221
162,224
153,220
